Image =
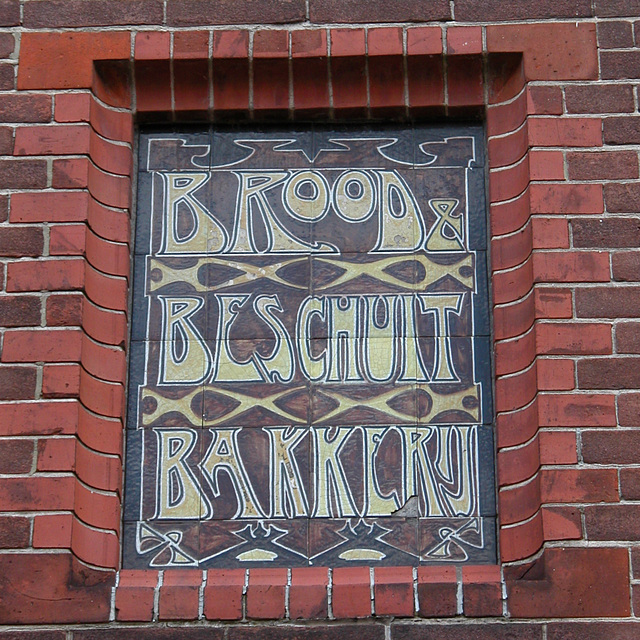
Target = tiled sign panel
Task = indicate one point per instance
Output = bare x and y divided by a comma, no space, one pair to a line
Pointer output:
310,378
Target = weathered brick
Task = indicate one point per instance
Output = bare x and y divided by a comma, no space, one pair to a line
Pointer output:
377,11
9,13
629,409
630,486
594,630
91,13
497,10
14,532
622,198
19,173
64,310
19,311
611,446
628,337
599,98
21,241
25,107
613,522
605,165
182,13
616,8
605,233
17,383
485,631
608,302
620,64
7,44
17,456
615,35
622,130
625,266
609,373
579,485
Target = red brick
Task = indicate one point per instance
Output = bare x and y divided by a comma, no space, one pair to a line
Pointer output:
570,583
67,239
544,100
61,206
575,266
424,41
573,338
579,485
351,592
555,375
65,60
308,593
616,65
34,584
70,173
464,40
49,275
606,165
14,532
98,470
23,174
21,241
266,593
37,493
72,107
52,531
437,592
570,410
349,83
561,51
519,503
36,418
17,456
201,12
549,233
425,81
310,84
613,522
104,325
546,165
599,98
135,595
393,591
17,383
609,373
179,594
56,454
231,44
566,198
190,45
191,89
386,83
565,132
552,303
558,447
90,13
465,81
110,190
223,594
64,310
271,84
481,591
561,523
25,107
56,345
19,311
625,266
101,397
60,381
352,11
57,140
622,130
231,85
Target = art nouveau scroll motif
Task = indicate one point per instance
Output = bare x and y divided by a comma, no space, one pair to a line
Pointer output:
310,360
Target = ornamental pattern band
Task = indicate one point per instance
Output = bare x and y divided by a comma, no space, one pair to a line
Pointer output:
310,369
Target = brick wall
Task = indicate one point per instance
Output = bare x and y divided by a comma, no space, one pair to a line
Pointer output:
555,82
